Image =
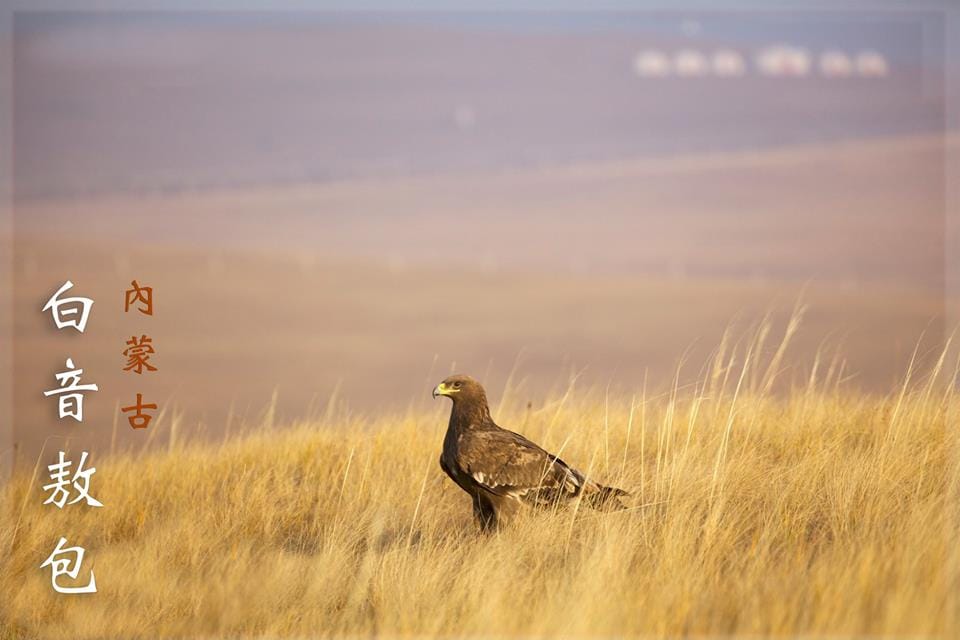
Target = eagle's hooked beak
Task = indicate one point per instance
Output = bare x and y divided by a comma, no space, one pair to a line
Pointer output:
442,390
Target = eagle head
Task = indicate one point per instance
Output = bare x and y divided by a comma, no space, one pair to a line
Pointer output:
461,388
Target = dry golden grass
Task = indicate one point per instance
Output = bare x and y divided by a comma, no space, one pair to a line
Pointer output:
820,511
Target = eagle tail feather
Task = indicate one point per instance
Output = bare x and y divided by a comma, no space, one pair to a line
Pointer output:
607,498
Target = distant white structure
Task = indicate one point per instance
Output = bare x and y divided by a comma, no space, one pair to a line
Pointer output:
728,63
652,64
690,63
777,61
784,61
836,64
871,64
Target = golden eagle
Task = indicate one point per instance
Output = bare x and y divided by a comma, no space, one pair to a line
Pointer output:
502,470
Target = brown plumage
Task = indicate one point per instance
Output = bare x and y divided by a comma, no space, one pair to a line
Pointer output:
501,470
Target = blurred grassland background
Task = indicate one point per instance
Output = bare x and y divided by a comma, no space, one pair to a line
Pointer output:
276,291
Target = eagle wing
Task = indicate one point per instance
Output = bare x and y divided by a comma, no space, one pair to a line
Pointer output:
506,464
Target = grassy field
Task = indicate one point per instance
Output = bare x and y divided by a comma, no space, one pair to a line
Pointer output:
820,511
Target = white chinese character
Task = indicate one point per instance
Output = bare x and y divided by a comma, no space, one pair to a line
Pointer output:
63,566
81,482
69,312
71,400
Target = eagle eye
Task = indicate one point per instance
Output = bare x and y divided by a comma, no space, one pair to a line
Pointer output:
456,385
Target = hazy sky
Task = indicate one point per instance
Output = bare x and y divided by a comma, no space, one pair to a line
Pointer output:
123,101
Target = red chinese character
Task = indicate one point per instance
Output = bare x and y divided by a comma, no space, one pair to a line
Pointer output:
139,420
138,354
138,294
